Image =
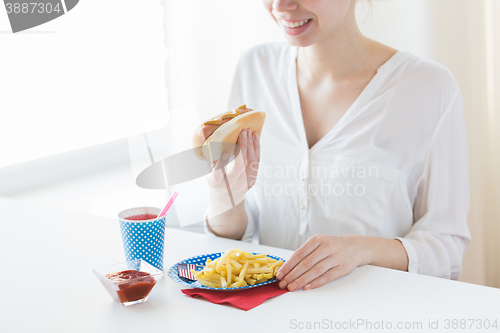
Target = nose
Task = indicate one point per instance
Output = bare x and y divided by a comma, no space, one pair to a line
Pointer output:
284,5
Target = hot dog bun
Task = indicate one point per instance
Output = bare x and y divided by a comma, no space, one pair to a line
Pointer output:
225,137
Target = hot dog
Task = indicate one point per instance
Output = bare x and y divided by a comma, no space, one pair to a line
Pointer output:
210,126
221,133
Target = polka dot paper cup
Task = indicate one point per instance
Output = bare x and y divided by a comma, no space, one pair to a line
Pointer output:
143,234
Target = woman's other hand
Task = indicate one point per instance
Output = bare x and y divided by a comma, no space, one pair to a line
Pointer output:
325,258
318,261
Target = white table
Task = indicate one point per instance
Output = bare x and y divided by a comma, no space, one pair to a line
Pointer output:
46,285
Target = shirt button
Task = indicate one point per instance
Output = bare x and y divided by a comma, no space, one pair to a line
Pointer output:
302,179
302,207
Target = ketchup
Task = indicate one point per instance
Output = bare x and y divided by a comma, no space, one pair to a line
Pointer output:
141,217
132,285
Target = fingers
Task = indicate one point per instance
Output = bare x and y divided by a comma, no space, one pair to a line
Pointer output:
306,249
330,275
253,160
312,266
256,144
302,274
249,154
320,260
239,163
251,150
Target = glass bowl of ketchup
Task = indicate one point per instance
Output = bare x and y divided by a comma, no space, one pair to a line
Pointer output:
130,282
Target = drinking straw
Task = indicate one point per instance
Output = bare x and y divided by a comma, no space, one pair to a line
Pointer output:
169,203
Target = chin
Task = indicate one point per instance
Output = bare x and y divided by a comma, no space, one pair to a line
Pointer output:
299,41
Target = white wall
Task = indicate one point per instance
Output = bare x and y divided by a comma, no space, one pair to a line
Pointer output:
204,40
91,76
402,24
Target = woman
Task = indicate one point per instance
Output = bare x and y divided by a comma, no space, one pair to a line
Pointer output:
363,154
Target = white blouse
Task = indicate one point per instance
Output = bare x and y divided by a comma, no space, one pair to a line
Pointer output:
394,166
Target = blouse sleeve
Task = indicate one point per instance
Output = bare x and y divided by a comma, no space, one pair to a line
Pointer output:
439,236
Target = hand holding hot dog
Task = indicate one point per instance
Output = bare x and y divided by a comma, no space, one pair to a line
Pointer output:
233,133
221,133
217,140
242,172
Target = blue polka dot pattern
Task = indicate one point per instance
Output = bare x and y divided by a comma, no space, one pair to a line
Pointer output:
173,272
144,240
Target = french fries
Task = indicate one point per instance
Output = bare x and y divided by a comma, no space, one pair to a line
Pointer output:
236,268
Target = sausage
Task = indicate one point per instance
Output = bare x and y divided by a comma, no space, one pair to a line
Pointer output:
208,129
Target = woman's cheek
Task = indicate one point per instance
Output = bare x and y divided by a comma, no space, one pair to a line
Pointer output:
268,4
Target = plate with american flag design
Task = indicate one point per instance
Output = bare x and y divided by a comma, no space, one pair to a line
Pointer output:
182,276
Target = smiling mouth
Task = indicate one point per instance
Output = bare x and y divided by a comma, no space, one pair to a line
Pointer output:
294,24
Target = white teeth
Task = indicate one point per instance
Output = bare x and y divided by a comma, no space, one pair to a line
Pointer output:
294,24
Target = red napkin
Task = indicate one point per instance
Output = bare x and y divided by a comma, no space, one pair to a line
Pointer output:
244,299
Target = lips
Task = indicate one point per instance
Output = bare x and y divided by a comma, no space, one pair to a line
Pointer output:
294,28
294,24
